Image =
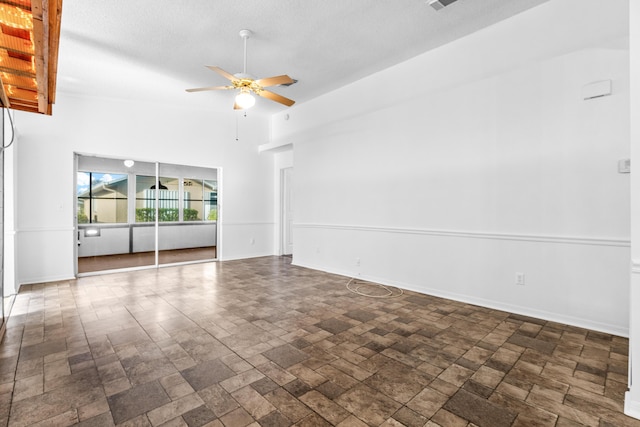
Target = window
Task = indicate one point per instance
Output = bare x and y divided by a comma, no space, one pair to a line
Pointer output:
145,199
192,199
168,199
200,200
210,200
102,197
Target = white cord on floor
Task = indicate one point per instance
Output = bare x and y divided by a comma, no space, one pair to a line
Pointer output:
391,292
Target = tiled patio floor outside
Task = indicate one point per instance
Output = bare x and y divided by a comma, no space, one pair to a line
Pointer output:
261,342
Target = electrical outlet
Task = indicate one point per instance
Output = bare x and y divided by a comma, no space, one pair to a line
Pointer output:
357,262
520,279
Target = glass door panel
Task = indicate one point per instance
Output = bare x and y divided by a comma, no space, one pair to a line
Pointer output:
143,229
106,221
144,214
193,200
191,236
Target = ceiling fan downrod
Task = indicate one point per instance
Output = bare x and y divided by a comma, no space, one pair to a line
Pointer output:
245,34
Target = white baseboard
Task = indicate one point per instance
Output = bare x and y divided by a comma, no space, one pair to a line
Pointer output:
631,407
496,305
245,256
44,279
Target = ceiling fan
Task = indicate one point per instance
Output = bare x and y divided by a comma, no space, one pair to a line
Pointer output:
247,84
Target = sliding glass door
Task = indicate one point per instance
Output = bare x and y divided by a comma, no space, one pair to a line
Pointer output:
143,214
187,213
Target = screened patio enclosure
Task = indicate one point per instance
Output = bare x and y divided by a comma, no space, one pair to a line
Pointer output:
137,214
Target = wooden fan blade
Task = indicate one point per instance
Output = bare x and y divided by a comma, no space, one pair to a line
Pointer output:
275,97
200,89
236,106
223,73
276,80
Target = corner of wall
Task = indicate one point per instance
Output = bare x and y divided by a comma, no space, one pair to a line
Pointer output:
631,405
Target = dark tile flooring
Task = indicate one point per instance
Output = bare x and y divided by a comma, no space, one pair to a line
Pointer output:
260,342
89,264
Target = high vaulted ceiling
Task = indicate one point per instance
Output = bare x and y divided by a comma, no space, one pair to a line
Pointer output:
155,49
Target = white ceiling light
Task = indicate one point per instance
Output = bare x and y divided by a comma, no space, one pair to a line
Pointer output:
129,163
245,100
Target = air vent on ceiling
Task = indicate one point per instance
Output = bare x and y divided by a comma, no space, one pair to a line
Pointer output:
440,4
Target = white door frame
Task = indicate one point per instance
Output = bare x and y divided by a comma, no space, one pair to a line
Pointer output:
286,211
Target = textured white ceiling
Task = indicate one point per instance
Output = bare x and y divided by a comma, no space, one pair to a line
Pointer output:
154,49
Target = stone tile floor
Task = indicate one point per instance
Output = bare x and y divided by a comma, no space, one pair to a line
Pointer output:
261,342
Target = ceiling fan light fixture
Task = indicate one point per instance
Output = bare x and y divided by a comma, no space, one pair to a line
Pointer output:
245,100
246,83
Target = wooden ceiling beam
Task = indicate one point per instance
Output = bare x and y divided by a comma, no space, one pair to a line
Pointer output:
55,18
41,50
3,96
21,5
18,81
32,57
25,107
37,9
23,103
20,73
15,44
20,87
27,95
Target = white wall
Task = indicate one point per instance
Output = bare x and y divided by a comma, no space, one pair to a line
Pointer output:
141,131
632,398
116,240
449,173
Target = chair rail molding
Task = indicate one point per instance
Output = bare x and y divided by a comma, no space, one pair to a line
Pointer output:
573,240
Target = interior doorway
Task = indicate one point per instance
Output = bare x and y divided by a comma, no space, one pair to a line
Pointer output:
137,214
286,195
